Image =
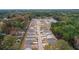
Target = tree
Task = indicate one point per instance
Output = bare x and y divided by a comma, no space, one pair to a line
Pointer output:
62,45
9,41
59,45
2,26
67,29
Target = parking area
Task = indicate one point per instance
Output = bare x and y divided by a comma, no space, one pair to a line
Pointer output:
39,34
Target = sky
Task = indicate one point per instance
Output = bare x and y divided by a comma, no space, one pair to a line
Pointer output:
39,4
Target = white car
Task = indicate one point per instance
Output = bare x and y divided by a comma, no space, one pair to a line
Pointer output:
28,49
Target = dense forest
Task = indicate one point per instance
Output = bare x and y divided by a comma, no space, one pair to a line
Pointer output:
67,28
